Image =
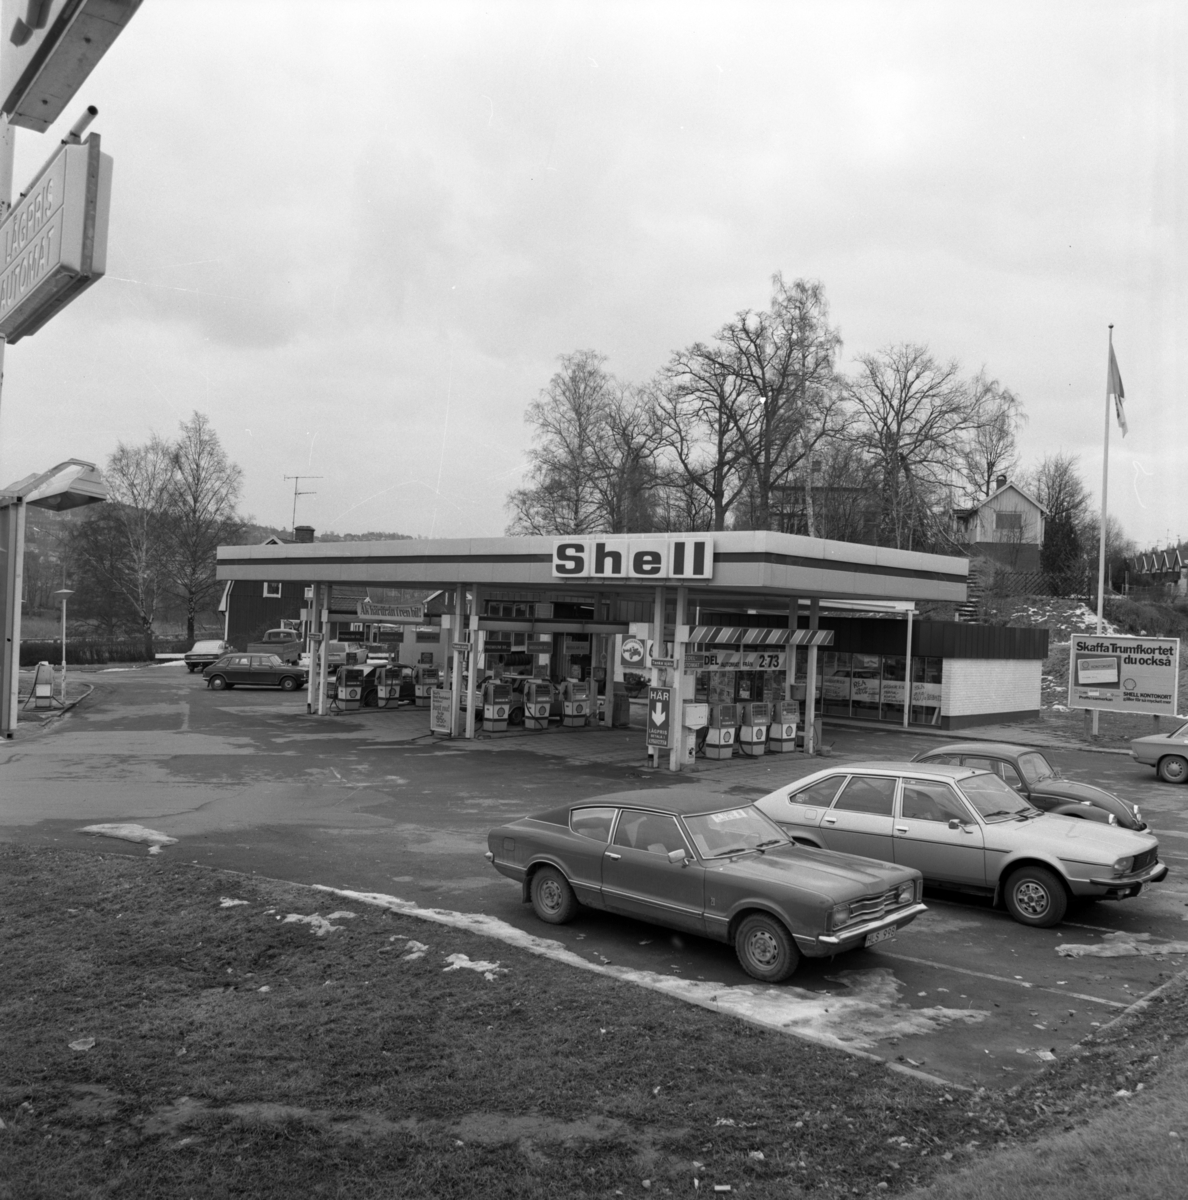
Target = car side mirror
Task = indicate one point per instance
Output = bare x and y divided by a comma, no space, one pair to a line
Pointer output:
678,856
954,823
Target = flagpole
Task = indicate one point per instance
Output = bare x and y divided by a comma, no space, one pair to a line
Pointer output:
1101,542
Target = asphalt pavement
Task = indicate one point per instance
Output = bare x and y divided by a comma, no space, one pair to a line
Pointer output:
246,780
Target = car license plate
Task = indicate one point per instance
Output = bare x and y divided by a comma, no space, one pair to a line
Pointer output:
881,935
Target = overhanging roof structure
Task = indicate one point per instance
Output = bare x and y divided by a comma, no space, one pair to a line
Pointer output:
746,566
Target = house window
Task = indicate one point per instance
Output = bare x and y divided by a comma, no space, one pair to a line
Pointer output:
272,591
1008,520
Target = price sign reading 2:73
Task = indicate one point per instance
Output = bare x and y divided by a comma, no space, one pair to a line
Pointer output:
772,661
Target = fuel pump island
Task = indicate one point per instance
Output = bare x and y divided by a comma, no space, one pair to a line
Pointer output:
751,637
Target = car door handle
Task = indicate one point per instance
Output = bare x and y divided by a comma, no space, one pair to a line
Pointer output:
830,820
901,829
612,854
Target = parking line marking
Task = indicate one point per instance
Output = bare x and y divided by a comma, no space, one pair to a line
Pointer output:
926,962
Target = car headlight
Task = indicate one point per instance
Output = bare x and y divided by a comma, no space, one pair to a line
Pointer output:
1123,865
906,893
839,915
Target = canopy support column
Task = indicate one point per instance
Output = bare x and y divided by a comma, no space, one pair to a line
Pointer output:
472,661
456,669
676,731
907,674
811,732
657,650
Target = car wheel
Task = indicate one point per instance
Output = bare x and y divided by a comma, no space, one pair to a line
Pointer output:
217,683
516,717
371,698
1035,896
552,897
288,683
1172,768
765,949
191,667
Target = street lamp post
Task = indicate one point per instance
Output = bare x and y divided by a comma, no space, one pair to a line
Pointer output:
63,594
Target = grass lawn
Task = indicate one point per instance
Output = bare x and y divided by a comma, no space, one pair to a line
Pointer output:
159,1043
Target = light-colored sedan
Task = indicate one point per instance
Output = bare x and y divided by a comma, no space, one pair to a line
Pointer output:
964,828
1166,752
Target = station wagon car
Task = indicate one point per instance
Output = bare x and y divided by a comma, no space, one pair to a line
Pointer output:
966,829
1030,773
254,670
1166,752
726,873
203,653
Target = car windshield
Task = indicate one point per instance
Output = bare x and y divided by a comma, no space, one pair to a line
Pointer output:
207,648
733,831
1036,767
1181,732
992,798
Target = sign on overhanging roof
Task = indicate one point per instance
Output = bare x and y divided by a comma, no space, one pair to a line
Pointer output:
633,558
404,614
48,48
53,244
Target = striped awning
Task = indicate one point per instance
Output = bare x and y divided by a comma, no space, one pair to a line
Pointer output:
744,635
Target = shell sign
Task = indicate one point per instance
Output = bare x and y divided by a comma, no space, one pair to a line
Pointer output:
634,558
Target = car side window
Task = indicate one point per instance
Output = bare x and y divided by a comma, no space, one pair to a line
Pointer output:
927,800
593,823
819,794
982,764
654,832
944,760
1012,776
867,794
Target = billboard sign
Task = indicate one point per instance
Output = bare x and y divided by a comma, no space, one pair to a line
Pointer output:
1124,674
47,49
409,614
53,244
634,558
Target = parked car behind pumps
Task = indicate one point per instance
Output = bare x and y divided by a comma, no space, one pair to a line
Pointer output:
254,670
1030,773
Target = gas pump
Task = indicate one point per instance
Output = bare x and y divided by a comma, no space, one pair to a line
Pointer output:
496,705
781,737
575,703
694,717
538,702
387,685
720,737
350,687
426,679
752,729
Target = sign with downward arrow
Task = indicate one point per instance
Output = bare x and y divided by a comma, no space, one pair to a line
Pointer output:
659,716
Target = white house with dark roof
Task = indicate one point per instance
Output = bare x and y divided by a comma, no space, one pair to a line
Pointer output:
1008,527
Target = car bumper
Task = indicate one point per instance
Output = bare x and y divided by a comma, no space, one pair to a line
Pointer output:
1128,885
856,935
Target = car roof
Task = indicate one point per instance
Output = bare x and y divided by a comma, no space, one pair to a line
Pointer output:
677,802
984,748
940,770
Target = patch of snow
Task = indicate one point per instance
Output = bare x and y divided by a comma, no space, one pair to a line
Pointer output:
415,950
869,1010
133,833
1123,945
342,915
318,925
227,902
461,962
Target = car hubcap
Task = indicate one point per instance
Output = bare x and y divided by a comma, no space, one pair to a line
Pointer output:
763,948
1174,769
550,895
1032,899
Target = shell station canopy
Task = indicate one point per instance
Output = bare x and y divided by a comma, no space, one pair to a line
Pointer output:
730,569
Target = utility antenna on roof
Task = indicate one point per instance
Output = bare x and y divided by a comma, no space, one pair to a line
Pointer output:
296,485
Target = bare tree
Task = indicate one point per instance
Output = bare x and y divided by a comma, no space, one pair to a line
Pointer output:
695,400
992,448
128,547
914,415
786,399
203,494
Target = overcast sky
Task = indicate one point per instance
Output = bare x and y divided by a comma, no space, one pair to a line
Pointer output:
359,234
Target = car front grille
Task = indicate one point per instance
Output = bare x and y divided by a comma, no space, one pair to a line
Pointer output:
872,907
1144,860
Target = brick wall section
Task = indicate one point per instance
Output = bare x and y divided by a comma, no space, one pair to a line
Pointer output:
977,686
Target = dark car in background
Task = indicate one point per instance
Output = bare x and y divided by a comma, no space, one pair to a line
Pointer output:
205,652
1033,776
694,864
254,670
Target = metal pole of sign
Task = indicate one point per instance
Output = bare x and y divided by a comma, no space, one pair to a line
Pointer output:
324,657
657,651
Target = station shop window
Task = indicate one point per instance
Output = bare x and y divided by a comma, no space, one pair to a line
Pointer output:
272,591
